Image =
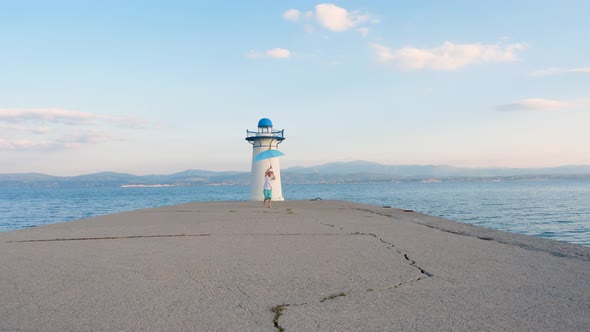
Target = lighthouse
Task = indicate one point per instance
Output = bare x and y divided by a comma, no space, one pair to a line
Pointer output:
264,139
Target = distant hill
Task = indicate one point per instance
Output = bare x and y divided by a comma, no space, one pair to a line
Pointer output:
339,172
433,170
112,179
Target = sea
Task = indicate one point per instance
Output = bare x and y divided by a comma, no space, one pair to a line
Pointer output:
557,210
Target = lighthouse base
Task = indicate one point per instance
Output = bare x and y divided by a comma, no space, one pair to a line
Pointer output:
261,199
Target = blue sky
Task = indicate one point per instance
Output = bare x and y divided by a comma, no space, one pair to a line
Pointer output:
163,86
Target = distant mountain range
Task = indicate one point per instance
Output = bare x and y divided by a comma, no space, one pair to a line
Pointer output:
339,172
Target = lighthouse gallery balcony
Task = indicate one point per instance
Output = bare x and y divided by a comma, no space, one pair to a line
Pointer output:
265,132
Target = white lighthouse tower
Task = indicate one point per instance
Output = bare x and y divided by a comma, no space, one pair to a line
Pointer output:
264,139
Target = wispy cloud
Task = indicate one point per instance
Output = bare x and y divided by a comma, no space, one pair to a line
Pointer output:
558,71
46,115
277,53
21,144
364,31
330,17
448,56
292,15
67,141
55,128
540,104
22,128
28,145
63,116
74,140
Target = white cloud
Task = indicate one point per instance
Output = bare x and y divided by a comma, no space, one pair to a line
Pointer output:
331,17
540,104
292,15
384,54
336,18
558,71
448,56
277,53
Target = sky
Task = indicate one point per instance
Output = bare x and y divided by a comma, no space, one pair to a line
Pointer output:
158,87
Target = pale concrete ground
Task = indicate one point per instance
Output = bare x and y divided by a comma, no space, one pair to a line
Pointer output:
327,265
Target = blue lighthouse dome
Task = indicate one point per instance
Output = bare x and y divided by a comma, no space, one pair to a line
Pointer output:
264,122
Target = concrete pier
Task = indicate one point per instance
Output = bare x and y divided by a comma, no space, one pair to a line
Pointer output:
300,266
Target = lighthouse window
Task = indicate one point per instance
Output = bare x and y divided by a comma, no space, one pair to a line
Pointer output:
264,130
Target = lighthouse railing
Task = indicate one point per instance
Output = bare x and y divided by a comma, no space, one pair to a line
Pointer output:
275,133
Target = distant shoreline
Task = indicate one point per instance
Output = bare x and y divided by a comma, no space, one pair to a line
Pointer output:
340,180
332,173
149,185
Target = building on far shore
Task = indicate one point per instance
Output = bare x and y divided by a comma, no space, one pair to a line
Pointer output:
265,138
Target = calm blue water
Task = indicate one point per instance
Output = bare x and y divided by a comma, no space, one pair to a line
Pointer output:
558,210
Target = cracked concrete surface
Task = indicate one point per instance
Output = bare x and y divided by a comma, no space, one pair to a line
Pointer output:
223,266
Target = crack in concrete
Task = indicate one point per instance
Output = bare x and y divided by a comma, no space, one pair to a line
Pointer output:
110,238
522,313
241,291
413,263
246,309
392,247
333,296
368,234
287,234
188,235
169,235
251,318
404,283
163,211
278,309
380,214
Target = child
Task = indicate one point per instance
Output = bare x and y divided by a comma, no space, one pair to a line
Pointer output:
267,188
